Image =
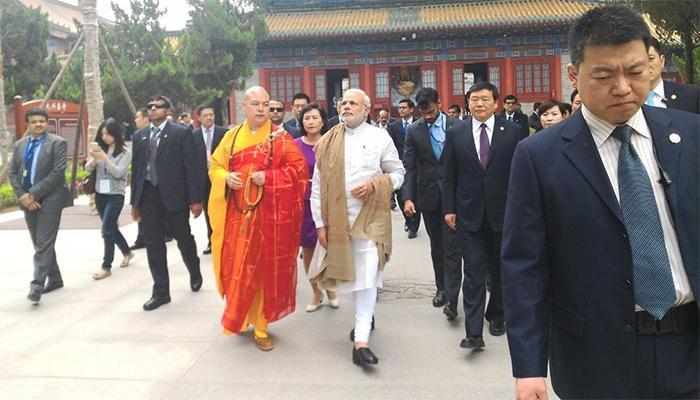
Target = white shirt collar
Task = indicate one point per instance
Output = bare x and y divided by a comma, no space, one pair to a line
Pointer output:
601,130
476,124
409,120
360,128
659,90
160,127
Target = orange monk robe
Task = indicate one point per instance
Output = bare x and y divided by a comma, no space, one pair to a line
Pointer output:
262,249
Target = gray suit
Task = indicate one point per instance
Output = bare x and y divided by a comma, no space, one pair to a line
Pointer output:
51,192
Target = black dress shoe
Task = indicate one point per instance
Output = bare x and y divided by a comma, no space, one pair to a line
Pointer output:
352,332
155,302
412,234
137,245
196,283
450,311
497,327
34,296
440,299
52,285
363,356
207,251
472,342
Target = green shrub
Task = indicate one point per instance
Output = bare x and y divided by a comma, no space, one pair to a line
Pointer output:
7,196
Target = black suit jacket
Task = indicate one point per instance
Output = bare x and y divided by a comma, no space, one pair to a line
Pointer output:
395,130
471,192
682,97
519,118
219,132
177,167
423,180
566,260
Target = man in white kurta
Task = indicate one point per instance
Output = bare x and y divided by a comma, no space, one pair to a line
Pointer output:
369,153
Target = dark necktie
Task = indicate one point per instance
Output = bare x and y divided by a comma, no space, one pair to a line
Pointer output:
155,135
405,128
484,147
28,161
653,283
510,118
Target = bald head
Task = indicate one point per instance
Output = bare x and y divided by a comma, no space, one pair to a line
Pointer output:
256,106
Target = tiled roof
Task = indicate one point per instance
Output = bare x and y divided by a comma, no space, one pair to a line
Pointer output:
484,15
60,14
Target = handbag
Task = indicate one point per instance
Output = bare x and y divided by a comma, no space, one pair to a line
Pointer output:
89,183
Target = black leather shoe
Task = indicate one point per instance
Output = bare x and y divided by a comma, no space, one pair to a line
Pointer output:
207,250
363,356
412,234
352,332
34,296
52,285
440,299
450,311
472,342
196,283
137,245
497,327
155,302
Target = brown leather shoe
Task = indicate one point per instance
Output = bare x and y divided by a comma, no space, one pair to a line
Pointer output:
264,344
101,274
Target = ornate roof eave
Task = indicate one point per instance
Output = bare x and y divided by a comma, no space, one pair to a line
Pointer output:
405,35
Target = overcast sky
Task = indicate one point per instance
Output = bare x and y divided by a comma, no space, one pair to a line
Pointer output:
174,19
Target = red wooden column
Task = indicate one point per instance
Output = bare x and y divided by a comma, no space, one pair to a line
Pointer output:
443,83
306,83
263,78
232,117
508,78
556,89
366,81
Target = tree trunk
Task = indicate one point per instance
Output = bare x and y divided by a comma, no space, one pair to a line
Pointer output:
688,55
4,134
93,90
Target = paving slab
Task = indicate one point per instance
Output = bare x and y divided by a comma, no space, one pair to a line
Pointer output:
91,339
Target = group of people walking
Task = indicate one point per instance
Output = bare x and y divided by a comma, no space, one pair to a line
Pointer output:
584,234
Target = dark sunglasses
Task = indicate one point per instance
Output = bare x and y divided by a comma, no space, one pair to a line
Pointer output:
276,109
154,106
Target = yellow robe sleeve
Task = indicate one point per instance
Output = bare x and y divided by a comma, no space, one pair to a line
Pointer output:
218,171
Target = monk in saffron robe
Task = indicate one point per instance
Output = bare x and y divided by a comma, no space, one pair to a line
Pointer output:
258,177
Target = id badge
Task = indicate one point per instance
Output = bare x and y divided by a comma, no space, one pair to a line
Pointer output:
104,186
25,173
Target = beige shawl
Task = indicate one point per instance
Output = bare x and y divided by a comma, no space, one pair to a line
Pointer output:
372,223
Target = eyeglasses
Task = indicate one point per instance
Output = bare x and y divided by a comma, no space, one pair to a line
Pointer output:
277,109
154,106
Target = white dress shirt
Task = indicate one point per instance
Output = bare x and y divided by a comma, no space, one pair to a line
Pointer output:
660,98
369,152
609,150
476,131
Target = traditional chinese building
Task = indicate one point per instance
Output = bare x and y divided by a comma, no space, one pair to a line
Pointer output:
392,48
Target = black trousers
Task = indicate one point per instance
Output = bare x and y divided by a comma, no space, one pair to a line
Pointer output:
444,250
481,251
412,222
156,221
666,366
205,206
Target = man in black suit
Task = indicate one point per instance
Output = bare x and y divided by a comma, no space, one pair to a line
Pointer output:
398,131
669,94
422,192
600,240
165,188
299,101
477,165
511,112
206,139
